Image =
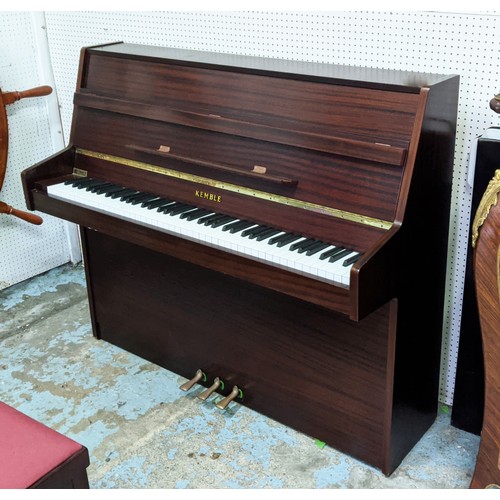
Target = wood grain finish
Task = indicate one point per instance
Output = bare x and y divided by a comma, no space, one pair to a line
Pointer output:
329,379
357,367
487,280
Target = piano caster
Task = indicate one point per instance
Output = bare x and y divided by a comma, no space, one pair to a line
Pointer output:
199,375
218,383
235,393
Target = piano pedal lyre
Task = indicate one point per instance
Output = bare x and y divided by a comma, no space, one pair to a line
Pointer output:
236,392
218,383
199,375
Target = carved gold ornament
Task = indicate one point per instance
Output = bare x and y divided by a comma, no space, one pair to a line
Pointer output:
490,198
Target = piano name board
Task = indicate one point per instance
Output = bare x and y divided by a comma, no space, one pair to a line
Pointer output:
208,196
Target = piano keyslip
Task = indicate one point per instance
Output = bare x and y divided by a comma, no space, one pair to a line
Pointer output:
215,229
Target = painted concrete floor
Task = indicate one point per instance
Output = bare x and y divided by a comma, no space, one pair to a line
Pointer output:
143,432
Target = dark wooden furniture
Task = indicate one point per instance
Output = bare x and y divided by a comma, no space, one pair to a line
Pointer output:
468,397
354,157
486,240
34,456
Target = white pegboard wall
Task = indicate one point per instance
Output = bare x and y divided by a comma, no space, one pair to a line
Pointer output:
447,43
25,250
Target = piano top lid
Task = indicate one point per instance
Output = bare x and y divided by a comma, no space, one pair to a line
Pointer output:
402,81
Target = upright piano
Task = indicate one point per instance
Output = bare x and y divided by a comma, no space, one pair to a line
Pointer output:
275,231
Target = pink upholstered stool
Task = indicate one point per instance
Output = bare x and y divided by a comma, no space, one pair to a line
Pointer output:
34,456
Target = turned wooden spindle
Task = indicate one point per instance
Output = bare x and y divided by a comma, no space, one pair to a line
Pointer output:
16,95
7,98
26,216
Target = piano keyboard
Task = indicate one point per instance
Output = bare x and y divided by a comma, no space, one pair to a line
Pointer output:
293,252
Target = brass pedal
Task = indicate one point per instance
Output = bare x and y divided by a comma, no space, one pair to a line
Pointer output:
208,392
199,375
235,393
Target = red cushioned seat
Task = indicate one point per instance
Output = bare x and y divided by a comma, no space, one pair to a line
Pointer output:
34,456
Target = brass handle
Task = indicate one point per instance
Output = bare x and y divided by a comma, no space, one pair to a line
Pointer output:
222,404
208,392
197,377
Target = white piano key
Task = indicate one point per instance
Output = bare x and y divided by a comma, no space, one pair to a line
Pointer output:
262,251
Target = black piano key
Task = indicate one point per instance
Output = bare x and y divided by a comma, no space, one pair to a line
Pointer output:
331,252
211,219
160,202
140,195
102,188
196,214
252,232
302,244
307,246
181,210
113,190
71,182
142,199
351,260
317,247
231,225
279,238
208,217
75,182
267,234
235,227
125,196
120,193
176,208
340,255
87,182
260,231
221,222
285,239
94,184
170,206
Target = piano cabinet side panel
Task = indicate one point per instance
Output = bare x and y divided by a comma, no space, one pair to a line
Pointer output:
57,165
305,366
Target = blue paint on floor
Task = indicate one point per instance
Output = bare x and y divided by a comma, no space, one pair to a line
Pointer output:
35,287
143,432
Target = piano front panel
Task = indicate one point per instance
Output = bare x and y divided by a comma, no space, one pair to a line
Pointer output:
329,379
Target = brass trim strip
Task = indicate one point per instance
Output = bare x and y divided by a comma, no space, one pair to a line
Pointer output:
275,198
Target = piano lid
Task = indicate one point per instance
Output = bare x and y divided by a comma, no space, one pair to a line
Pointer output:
399,80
